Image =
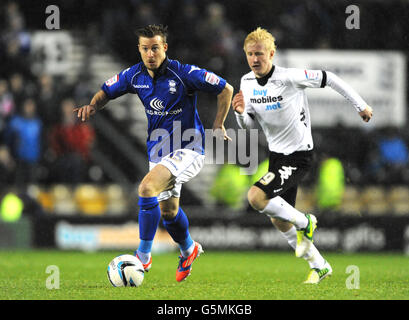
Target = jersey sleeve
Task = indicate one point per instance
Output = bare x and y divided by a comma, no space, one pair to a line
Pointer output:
248,108
344,89
118,85
304,78
198,79
246,120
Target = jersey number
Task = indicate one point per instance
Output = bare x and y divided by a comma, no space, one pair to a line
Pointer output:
177,156
267,178
302,119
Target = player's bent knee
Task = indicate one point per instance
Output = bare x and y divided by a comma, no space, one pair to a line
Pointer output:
147,189
256,198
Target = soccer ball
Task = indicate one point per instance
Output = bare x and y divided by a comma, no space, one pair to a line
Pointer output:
125,271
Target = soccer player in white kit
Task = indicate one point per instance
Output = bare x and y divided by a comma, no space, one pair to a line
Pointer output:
276,98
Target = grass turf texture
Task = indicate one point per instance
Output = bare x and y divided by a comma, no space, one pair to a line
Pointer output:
215,276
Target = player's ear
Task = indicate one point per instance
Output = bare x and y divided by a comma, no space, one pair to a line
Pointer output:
165,47
272,54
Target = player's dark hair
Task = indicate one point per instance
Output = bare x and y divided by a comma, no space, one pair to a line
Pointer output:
153,30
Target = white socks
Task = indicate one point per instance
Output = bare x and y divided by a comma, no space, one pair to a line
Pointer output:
313,256
277,207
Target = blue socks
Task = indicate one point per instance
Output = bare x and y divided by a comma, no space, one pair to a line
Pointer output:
178,228
149,217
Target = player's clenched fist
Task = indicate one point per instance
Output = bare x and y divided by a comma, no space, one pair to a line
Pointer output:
238,102
366,114
85,112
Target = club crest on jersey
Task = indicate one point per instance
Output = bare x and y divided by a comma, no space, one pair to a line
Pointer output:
172,86
212,78
277,83
112,80
156,104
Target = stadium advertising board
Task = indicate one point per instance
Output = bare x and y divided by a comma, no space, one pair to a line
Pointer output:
378,76
346,234
90,237
359,237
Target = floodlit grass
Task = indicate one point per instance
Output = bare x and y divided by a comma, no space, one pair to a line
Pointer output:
215,276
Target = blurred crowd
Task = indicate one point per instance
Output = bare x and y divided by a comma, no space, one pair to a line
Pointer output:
42,142
211,33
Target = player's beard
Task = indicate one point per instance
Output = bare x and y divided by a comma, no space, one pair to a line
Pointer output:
151,68
154,66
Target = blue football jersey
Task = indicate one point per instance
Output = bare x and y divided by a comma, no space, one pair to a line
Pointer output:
170,103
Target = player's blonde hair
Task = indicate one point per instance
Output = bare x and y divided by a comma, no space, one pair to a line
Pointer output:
261,35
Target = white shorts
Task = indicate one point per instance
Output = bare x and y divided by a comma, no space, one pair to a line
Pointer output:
184,164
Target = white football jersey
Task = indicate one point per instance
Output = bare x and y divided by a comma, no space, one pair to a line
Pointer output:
281,106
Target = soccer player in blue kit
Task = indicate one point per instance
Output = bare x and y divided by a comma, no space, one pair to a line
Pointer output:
175,143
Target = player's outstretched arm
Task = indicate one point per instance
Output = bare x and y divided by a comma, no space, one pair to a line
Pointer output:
339,85
223,106
99,100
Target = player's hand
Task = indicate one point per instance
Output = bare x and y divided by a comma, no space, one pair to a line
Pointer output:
220,133
238,102
85,112
366,115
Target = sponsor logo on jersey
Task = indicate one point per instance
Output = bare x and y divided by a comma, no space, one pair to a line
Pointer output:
268,99
259,92
172,86
141,86
112,80
273,106
163,113
285,173
212,78
156,104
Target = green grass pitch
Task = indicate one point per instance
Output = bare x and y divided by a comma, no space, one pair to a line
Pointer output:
215,276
